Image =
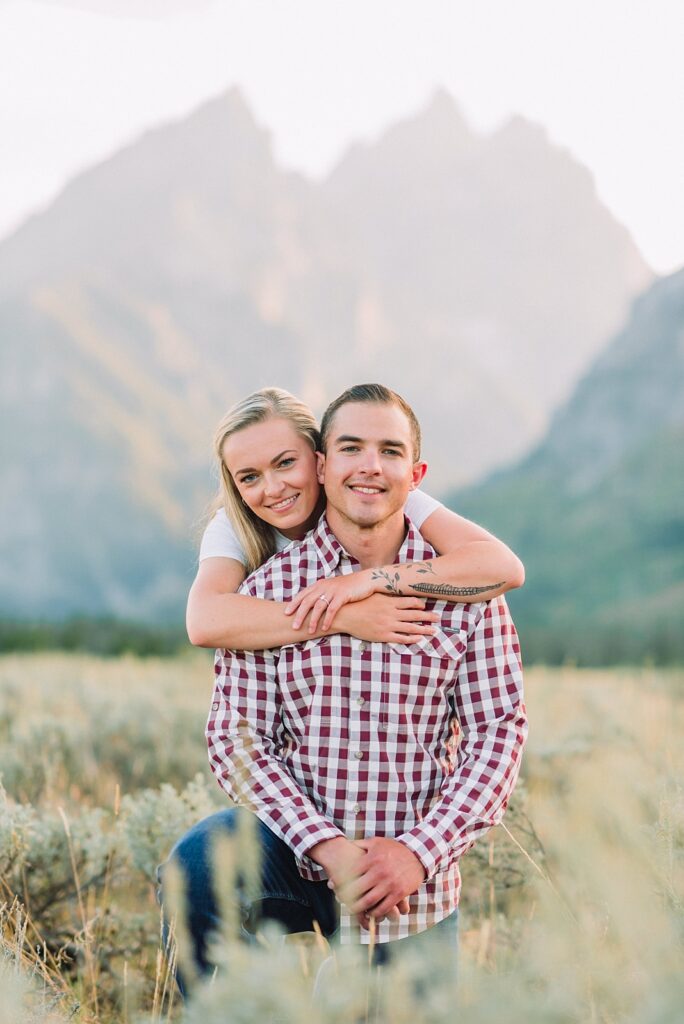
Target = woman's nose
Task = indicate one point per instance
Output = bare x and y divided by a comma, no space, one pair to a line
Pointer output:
273,485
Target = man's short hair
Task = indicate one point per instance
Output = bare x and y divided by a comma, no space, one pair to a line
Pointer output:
372,393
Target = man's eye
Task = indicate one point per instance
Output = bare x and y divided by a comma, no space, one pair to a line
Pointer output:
391,451
350,448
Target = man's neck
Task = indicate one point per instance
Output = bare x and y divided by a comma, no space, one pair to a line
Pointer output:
370,545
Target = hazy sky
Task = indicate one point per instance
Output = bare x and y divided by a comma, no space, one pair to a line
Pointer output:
80,77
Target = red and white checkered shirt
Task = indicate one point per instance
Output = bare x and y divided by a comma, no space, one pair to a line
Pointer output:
336,736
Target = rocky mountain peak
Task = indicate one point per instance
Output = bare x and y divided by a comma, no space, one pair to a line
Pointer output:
189,269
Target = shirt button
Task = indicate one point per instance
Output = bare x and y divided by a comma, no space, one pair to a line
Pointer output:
363,645
360,701
214,707
359,755
357,808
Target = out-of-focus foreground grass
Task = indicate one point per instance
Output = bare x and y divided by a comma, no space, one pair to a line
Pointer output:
572,910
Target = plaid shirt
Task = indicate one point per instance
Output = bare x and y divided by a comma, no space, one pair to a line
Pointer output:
339,737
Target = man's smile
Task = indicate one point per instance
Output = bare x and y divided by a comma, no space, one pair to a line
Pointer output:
365,489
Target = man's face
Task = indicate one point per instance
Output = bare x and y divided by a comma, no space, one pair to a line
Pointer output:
368,469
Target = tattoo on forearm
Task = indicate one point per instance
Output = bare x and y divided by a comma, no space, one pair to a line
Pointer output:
393,583
391,580
446,589
425,569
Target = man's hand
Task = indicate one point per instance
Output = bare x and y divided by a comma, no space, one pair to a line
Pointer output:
342,860
324,598
339,858
387,874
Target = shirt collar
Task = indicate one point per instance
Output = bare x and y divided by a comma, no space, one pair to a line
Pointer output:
413,549
328,546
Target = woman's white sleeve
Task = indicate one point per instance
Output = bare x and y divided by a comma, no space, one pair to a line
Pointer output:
419,506
221,541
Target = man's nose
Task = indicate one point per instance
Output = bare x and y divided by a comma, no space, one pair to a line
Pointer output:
370,461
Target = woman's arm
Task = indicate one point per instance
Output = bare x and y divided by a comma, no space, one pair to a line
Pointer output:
471,558
473,566
218,617
216,614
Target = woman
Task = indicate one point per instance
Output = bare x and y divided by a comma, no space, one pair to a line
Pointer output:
269,496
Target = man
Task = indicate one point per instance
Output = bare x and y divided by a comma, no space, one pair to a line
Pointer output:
342,748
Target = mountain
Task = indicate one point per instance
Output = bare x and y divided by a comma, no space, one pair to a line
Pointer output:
476,274
597,510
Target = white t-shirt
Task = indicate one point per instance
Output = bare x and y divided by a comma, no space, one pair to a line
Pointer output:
221,541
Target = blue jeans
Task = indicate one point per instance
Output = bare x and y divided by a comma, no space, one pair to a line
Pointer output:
282,896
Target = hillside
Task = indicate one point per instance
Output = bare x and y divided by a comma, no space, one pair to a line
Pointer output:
470,272
597,510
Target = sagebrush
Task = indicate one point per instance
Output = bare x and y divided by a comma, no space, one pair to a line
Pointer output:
572,909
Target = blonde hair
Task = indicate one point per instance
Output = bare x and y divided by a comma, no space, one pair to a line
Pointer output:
256,536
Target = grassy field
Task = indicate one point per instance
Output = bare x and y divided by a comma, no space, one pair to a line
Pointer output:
572,910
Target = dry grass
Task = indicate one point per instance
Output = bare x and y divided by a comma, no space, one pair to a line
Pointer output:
573,911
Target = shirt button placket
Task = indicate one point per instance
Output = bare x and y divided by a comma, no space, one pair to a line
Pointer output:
358,722
353,809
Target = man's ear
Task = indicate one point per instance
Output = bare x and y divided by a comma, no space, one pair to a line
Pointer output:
419,471
320,467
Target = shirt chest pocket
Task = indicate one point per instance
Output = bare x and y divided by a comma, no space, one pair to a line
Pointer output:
421,682
447,643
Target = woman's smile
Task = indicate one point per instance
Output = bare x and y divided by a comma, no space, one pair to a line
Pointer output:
284,505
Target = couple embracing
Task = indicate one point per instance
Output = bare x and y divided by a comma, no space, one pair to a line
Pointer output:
368,701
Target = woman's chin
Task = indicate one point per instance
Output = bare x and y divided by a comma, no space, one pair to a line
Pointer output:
297,530
293,532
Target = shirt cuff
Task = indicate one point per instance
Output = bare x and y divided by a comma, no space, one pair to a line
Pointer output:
313,836
432,850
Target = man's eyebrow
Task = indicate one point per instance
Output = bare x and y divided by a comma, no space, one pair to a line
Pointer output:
276,458
346,438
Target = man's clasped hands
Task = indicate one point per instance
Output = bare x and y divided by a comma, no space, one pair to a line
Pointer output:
373,878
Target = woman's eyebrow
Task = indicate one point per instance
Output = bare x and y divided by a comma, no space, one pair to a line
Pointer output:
276,458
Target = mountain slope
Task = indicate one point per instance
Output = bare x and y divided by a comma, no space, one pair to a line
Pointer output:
597,511
190,269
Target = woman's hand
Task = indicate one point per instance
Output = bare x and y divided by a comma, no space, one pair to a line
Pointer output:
381,619
326,597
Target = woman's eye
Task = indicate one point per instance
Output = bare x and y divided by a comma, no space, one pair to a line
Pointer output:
284,463
249,479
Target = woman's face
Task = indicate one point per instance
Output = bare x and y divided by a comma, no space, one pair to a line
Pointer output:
274,469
